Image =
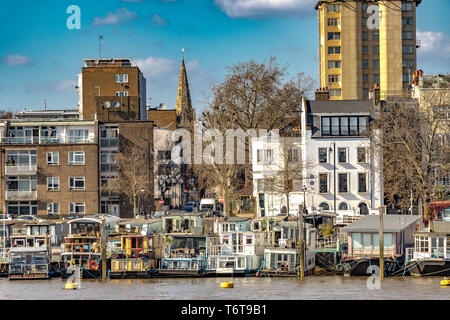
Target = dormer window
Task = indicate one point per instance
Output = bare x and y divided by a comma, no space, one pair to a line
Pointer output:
343,126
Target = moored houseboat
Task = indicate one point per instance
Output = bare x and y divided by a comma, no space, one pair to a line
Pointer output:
28,263
183,267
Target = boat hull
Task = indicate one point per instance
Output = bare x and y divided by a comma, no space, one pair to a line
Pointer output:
430,268
361,267
164,273
37,276
133,274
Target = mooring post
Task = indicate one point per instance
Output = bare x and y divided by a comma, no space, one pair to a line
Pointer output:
103,248
380,235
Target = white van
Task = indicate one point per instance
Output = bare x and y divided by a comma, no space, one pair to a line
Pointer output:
208,204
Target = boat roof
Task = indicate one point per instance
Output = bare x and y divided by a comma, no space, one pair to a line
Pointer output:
28,249
391,223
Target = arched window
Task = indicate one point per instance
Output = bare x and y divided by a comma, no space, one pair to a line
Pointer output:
363,209
324,206
343,206
283,210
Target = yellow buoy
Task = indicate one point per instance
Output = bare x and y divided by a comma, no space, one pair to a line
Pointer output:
227,285
70,286
445,283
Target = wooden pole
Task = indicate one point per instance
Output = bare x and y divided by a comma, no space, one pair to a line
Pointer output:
300,237
380,235
103,248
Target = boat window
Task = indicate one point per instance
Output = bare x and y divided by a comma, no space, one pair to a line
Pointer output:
387,240
367,241
356,240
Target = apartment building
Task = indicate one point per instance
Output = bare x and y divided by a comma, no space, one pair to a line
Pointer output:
359,47
111,90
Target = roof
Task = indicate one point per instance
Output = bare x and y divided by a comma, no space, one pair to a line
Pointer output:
140,221
391,223
27,249
236,219
340,106
183,213
442,226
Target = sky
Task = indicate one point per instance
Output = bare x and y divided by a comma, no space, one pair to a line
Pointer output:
40,56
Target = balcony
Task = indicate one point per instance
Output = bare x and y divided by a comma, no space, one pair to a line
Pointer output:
21,195
21,170
47,140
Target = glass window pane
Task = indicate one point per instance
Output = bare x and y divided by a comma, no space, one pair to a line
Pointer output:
356,240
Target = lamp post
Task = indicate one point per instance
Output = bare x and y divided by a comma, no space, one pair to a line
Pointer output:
304,195
333,150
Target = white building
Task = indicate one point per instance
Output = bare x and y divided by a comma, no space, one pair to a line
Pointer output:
345,172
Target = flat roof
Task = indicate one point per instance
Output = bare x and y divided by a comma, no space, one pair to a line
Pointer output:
391,223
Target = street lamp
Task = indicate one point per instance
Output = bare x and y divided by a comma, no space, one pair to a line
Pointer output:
334,173
304,195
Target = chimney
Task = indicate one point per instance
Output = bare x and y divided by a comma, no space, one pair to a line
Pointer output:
322,94
374,94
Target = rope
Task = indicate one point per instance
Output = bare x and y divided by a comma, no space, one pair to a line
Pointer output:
89,272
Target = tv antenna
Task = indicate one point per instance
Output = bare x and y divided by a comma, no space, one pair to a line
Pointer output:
100,38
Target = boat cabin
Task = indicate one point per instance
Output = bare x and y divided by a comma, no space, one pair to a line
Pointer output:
232,224
434,245
183,222
28,263
363,235
185,246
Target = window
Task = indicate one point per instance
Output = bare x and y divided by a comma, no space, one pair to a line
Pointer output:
407,7
21,158
164,154
52,208
362,155
108,161
333,8
21,183
362,182
332,64
78,136
405,77
121,93
367,241
364,36
76,208
364,7
334,50
335,92
53,183
343,182
343,206
408,63
364,22
76,183
323,155
342,155
333,78
333,22
365,92
323,182
324,206
407,35
422,244
264,156
121,78
376,63
365,49
363,209
76,158
293,155
356,240
406,21
365,77
376,35
334,35
343,126
365,64
376,49
407,49
376,78
53,158
109,136
22,208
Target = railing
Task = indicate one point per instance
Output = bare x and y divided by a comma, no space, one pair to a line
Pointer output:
226,250
21,195
387,252
4,253
21,170
327,242
47,140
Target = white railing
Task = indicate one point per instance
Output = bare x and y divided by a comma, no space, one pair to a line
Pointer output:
21,195
30,169
47,140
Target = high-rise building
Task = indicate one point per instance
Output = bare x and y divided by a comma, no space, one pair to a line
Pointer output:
111,90
363,42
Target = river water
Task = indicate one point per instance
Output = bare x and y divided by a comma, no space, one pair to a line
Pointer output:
315,287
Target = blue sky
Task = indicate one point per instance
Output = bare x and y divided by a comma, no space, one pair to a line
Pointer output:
40,57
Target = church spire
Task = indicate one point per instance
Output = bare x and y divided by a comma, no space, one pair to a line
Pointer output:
183,107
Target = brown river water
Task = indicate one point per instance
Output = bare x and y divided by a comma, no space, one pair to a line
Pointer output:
252,288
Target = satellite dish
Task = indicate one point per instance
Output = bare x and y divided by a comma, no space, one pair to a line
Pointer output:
116,104
107,105
162,106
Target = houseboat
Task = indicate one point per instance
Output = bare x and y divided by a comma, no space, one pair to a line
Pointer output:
134,260
28,263
183,267
5,232
431,253
363,243
82,248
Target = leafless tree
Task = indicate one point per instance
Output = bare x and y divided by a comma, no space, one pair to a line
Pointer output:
415,147
133,175
6,114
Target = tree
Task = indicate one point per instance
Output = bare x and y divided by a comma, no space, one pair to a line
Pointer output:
133,175
415,147
6,114
252,96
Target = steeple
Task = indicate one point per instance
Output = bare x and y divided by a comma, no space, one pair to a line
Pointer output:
183,107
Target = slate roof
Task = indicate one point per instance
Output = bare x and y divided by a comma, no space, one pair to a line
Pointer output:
391,223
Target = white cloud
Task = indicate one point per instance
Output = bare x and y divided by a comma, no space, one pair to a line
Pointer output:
434,49
16,60
265,8
120,16
155,66
158,21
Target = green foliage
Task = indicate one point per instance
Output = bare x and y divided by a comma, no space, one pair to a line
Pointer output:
325,230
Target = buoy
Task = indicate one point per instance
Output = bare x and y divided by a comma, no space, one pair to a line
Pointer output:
70,286
445,283
227,285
